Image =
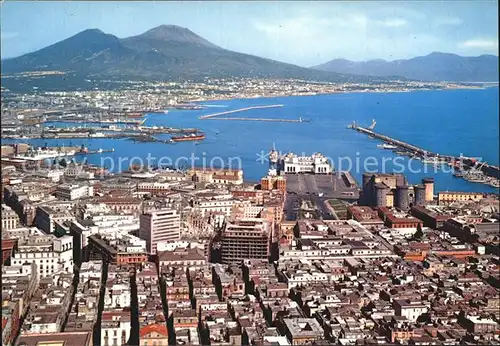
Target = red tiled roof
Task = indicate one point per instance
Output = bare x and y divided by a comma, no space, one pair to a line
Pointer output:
158,328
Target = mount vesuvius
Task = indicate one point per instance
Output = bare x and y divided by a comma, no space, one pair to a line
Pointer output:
164,52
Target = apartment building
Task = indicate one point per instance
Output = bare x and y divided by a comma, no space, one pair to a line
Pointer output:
50,254
159,226
245,239
10,219
73,192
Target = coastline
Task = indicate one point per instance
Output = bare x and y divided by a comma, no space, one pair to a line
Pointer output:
455,87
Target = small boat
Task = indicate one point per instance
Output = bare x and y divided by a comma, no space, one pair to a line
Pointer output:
386,146
494,183
431,162
475,178
192,137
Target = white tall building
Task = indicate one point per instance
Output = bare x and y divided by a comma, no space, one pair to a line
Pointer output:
159,226
207,206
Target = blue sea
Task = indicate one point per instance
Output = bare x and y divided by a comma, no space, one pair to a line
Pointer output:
451,122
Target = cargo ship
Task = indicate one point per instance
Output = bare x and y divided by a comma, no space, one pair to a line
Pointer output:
188,106
191,137
40,154
135,115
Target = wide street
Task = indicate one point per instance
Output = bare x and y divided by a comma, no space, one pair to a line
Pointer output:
317,189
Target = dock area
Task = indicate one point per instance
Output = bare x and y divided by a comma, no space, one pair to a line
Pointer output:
400,144
208,116
97,132
470,165
93,121
25,151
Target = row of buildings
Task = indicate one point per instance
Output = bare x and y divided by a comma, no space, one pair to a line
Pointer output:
167,258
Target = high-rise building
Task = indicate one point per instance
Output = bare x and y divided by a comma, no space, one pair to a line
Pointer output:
246,239
159,226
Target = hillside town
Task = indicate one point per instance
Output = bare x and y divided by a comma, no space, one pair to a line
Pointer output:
202,257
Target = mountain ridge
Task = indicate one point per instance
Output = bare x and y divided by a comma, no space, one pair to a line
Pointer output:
163,52
436,66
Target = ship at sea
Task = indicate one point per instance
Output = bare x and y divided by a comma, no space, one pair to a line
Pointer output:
191,137
189,106
40,154
135,115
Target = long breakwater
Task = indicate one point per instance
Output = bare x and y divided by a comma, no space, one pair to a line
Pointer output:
469,163
277,120
208,116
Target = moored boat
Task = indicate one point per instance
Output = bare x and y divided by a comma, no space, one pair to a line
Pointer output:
191,137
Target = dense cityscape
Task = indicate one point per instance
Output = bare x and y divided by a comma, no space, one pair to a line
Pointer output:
202,257
155,95
161,185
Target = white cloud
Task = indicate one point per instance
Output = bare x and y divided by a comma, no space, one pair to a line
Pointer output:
308,40
452,21
312,38
392,22
485,44
7,35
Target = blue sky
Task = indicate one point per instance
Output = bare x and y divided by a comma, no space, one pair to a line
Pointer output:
297,32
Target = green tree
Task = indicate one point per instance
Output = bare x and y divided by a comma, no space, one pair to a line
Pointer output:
419,234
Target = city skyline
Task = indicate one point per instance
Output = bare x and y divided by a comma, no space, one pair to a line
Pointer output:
355,31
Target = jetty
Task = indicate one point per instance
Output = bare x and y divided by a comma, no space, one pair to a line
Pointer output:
395,142
402,147
278,120
208,116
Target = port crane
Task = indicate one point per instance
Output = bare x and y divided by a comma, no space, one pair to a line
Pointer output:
474,173
372,126
475,170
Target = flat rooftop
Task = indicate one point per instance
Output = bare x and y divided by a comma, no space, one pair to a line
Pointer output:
63,339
